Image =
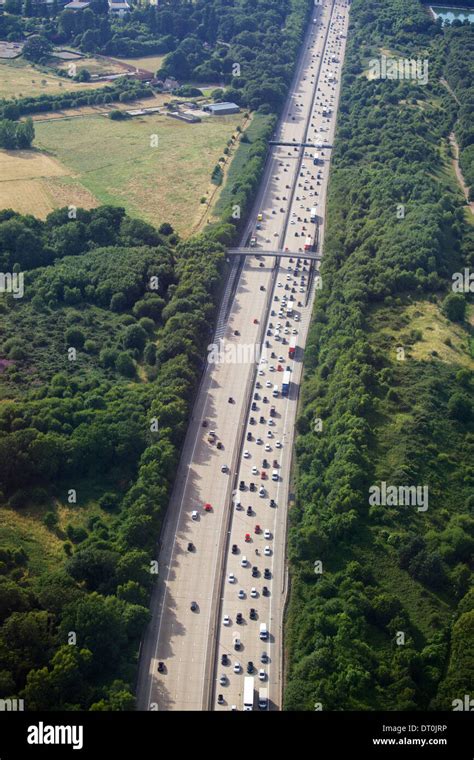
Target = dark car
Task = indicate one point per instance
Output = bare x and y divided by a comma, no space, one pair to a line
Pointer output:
220,699
219,445
242,485
254,406
249,510
238,618
253,487
253,614
254,571
235,548
272,503
194,606
252,420
262,420
265,591
249,436
224,659
190,546
265,400
250,666
161,667
266,573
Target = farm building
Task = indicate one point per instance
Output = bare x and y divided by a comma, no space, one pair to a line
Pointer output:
222,109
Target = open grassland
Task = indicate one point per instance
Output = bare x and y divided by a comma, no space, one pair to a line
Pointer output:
423,330
115,162
19,79
34,183
147,62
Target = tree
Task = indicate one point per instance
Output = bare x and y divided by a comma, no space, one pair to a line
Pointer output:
37,48
125,364
135,337
75,337
454,306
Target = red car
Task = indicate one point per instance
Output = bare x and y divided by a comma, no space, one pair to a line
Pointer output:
207,508
255,321
247,537
280,368
263,475
258,529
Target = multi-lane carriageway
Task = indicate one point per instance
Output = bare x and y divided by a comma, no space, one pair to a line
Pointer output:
191,643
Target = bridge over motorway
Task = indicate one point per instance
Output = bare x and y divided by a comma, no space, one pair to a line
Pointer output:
278,254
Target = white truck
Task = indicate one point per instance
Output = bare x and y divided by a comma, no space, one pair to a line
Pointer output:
248,692
263,698
263,632
313,214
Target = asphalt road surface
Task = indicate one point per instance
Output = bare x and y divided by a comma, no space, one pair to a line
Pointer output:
195,555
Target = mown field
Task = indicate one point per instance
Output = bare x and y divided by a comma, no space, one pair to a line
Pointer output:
34,183
19,79
115,162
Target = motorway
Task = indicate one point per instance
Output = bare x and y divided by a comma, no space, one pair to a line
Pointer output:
195,553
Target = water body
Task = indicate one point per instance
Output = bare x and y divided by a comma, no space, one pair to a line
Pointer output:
450,14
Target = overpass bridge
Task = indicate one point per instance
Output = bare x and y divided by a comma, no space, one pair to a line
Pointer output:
311,255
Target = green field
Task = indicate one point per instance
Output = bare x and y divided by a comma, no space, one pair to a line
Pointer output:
20,79
116,163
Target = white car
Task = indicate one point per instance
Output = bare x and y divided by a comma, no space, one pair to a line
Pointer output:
258,440
236,667
271,368
243,562
267,551
246,454
280,284
268,447
297,319
253,592
254,471
261,491
278,444
295,332
269,384
241,594
280,358
224,468
261,372
269,434
223,680
231,578
266,533
195,514
262,675
226,620
270,422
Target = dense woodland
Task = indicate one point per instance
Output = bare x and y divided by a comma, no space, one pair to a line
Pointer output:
387,570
